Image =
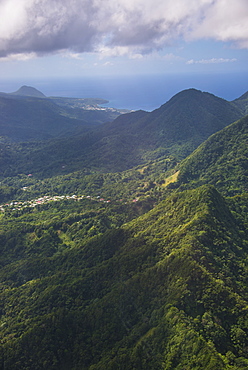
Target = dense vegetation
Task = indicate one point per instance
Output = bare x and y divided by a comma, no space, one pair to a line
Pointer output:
222,160
145,268
80,291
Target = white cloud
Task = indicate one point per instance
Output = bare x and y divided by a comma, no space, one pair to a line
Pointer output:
71,55
107,64
211,61
225,21
14,15
18,57
117,27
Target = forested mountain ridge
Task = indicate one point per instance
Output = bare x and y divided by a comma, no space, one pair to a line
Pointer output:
148,269
176,128
190,114
142,296
173,130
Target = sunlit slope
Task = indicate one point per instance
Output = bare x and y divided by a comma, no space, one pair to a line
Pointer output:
222,160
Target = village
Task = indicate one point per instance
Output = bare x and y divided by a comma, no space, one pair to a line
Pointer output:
19,205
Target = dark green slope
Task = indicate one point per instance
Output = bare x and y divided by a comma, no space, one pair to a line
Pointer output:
222,161
26,118
166,291
29,116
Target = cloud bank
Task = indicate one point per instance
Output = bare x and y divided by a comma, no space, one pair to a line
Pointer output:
116,27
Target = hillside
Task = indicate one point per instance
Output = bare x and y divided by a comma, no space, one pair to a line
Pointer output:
222,161
142,296
34,119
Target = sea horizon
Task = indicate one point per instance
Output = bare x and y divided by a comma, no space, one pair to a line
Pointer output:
134,92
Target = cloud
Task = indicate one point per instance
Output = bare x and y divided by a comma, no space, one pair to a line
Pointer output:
211,61
71,55
18,57
117,27
224,21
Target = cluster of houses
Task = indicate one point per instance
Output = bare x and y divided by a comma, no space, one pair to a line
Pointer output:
19,205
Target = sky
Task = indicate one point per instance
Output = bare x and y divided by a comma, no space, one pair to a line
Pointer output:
78,38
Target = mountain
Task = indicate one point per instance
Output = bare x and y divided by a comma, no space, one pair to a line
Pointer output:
173,130
222,160
181,124
29,91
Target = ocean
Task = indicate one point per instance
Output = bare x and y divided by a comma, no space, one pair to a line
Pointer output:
135,92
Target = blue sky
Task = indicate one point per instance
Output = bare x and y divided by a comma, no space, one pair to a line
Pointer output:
77,38
184,57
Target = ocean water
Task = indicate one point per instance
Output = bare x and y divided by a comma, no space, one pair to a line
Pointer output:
136,92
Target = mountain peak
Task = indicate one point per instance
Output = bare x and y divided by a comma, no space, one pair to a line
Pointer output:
29,91
193,93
